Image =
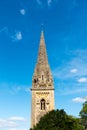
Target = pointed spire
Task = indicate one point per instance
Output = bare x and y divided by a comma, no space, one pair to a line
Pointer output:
42,74
42,35
42,57
42,41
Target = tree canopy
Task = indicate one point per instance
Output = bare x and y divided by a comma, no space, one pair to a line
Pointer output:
83,114
58,120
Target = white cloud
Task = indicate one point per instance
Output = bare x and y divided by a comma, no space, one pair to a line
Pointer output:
80,99
17,118
72,89
18,88
17,36
82,80
11,123
16,129
7,123
13,129
13,88
78,62
73,70
28,89
49,2
4,29
23,11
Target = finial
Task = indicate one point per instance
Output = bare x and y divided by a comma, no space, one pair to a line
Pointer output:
42,35
42,26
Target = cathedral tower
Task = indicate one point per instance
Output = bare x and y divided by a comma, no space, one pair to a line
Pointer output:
42,86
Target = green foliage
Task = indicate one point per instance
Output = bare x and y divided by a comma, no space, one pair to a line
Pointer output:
58,120
83,114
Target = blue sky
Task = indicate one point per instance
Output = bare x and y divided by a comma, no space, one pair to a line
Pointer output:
65,30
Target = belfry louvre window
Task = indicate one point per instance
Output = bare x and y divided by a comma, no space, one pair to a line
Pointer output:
43,104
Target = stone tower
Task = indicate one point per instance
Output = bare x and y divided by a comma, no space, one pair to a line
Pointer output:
42,86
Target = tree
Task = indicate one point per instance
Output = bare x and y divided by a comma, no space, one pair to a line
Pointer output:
83,114
58,120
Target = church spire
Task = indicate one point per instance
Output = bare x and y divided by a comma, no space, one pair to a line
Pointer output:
42,74
42,56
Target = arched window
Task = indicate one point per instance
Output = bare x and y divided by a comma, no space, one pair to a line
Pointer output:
43,103
42,77
35,80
